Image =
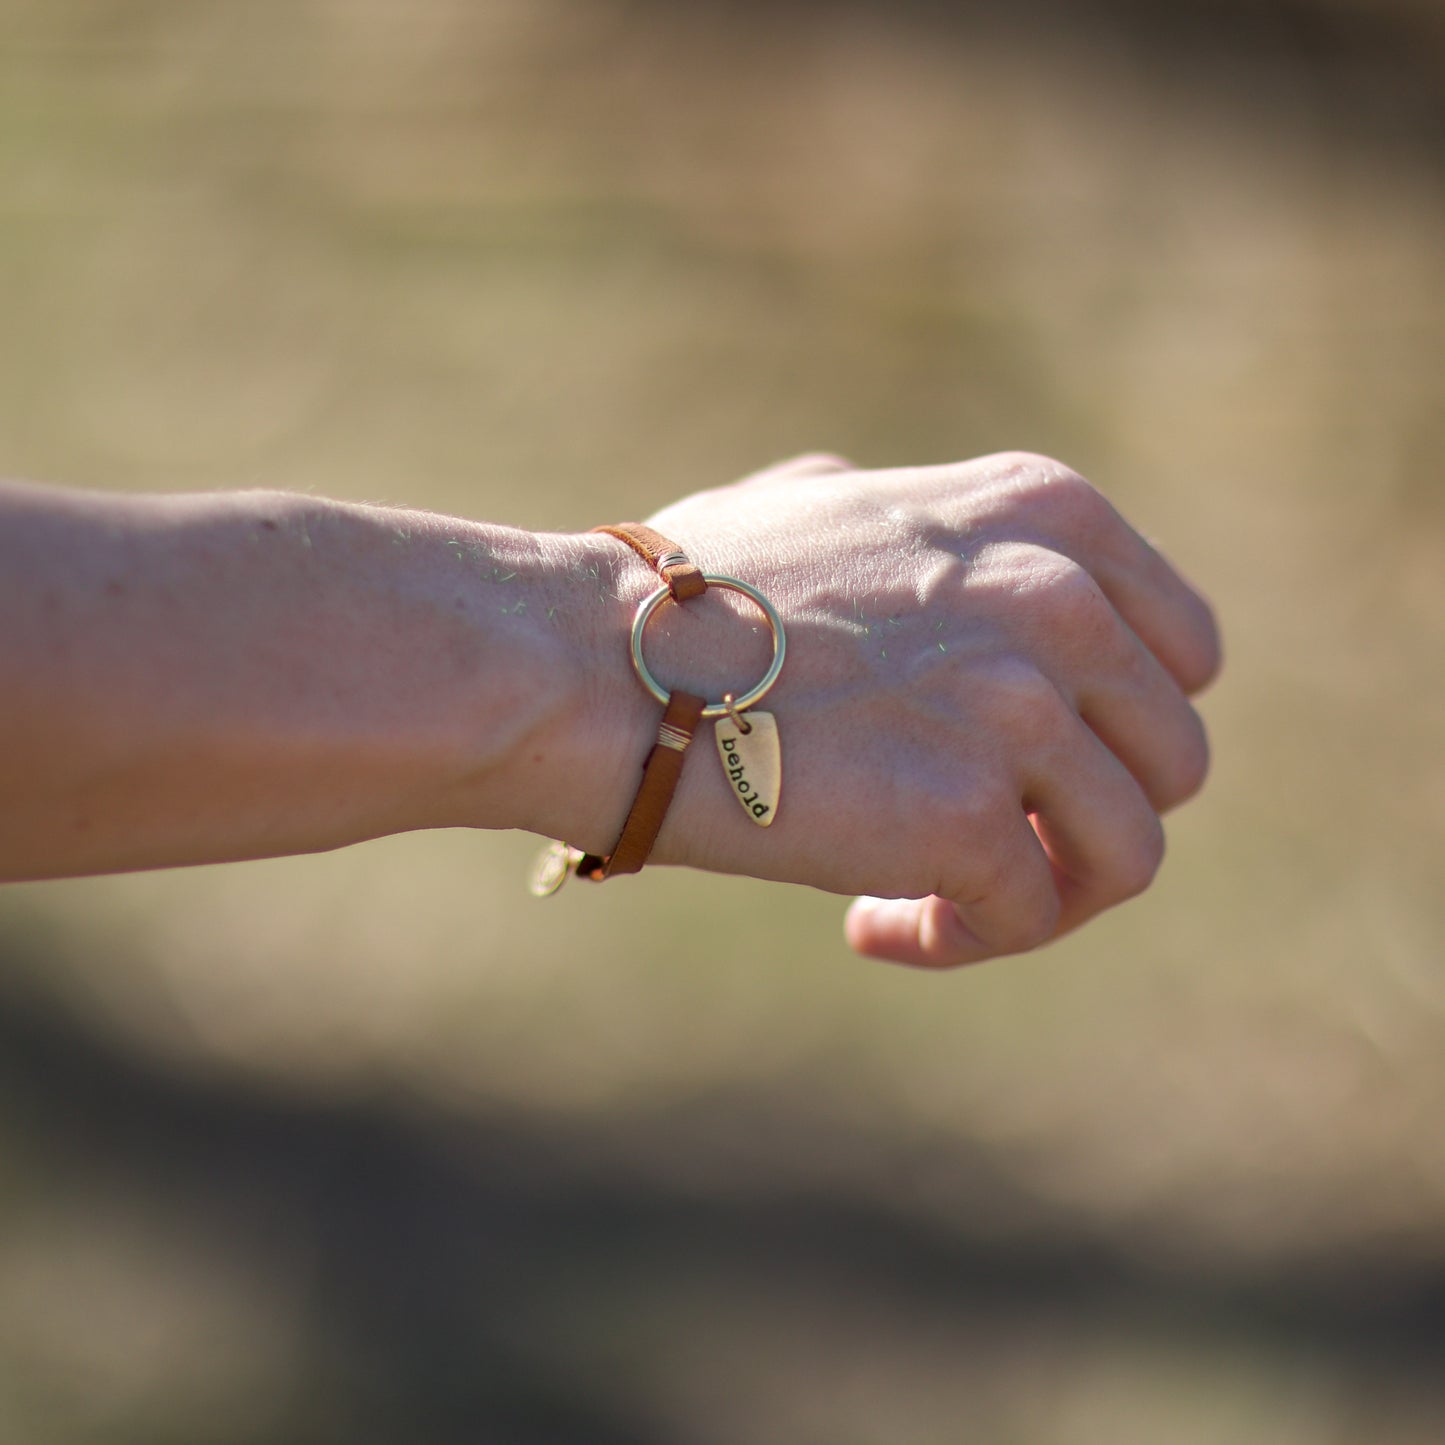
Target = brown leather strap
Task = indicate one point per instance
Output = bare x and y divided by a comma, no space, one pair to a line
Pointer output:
663,767
660,774
683,576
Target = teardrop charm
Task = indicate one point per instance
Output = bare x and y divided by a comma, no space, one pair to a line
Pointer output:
752,762
552,868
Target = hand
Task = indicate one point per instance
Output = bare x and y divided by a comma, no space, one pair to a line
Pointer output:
984,709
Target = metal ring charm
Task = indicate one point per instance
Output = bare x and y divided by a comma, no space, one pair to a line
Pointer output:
649,605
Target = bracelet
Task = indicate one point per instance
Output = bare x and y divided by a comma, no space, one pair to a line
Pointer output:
747,741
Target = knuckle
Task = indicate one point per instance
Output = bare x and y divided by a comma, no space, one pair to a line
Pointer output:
1044,482
1067,587
1021,701
810,462
1054,591
1070,614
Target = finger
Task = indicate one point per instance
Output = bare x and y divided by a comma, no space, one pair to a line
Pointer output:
1061,509
1102,836
1010,905
1139,713
1173,620
921,932
1117,684
810,464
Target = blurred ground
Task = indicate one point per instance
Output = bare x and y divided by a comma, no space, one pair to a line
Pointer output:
364,1147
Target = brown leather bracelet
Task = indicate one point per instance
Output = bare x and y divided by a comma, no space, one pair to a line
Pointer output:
747,748
660,775
683,577
663,766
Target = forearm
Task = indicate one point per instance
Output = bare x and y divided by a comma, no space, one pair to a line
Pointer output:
192,679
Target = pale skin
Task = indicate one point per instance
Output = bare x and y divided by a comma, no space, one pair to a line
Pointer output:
984,712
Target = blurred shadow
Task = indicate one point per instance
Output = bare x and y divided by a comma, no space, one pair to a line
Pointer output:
464,1275
1371,68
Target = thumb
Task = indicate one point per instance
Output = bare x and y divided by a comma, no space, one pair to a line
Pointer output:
924,932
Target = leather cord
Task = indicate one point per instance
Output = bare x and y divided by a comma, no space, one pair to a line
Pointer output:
671,563
660,775
663,766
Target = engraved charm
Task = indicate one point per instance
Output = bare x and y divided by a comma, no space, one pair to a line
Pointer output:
552,868
752,763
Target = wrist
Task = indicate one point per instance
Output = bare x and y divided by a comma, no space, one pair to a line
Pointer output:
592,755
568,773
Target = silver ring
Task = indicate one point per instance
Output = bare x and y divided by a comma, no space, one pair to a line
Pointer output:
649,605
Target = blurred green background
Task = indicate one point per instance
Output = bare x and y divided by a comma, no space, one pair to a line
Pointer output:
368,1147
